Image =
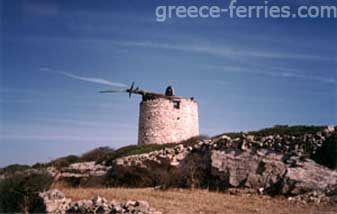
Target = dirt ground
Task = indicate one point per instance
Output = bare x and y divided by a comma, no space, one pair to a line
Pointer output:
182,201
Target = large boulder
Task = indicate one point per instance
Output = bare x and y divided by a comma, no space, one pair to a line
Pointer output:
245,169
270,173
308,176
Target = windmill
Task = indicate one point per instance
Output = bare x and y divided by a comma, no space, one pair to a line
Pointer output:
164,117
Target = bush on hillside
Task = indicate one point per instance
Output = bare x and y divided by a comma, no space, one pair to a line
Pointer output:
19,192
288,130
93,155
40,166
327,154
96,154
11,169
64,161
280,130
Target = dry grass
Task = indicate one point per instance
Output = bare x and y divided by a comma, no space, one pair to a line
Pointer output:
176,201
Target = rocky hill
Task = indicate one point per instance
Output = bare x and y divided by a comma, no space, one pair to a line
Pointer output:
297,162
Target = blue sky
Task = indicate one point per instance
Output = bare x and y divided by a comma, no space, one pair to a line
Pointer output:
245,73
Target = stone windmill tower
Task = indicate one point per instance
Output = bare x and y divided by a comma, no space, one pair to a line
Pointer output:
164,118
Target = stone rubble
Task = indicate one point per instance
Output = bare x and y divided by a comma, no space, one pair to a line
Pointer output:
56,202
316,197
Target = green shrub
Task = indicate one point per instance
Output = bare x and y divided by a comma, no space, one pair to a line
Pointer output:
40,166
288,130
327,154
280,130
19,192
64,161
95,154
11,169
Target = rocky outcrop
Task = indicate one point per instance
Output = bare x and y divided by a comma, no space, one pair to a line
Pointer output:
259,171
308,176
268,173
56,202
274,164
288,146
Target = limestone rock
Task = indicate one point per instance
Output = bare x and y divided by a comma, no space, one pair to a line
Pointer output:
247,170
308,176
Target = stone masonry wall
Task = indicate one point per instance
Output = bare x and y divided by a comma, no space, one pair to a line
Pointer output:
160,121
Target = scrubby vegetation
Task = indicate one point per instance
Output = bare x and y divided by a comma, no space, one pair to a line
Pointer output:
280,130
288,130
96,154
93,155
327,154
64,161
11,169
19,192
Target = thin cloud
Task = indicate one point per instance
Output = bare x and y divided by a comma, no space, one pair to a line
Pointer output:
223,51
86,79
276,72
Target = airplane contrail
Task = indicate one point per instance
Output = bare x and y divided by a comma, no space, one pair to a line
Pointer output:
86,79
